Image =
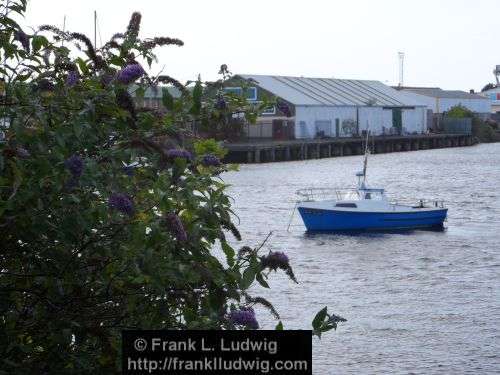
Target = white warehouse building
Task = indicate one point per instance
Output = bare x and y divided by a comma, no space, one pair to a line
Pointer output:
327,107
440,101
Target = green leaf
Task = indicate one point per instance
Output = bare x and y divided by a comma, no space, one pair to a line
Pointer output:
116,60
230,253
260,279
82,65
78,128
167,99
248,278
319,318
60,140
38,42
197,93
279,326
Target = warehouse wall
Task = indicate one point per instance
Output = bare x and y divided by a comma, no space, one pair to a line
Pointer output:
440,105
475,105
415,120
311,119
306,118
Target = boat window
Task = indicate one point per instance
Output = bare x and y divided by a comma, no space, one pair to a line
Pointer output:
351,205
368,196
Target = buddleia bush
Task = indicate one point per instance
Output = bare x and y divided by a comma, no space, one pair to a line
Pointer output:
109,214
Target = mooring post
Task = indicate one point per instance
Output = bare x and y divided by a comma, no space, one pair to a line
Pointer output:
257,155
287,153
272,154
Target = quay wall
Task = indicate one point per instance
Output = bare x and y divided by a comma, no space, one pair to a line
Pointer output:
260,151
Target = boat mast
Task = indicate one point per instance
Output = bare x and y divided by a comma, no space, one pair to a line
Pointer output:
367,151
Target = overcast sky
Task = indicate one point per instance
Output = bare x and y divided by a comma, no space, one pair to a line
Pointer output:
453,44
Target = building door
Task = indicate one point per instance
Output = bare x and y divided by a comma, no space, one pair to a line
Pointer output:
278,130
337,127
397,119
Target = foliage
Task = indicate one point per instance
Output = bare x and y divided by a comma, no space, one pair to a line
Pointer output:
226,112
481,129
324,322
459,111
108,222
209,146
488,86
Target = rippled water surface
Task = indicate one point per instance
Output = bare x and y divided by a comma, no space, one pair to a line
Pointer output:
420,302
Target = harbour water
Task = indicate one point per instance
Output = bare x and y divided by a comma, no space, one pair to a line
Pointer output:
416,303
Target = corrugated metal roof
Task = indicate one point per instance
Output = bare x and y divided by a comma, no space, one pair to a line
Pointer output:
332,91
156,91
436,92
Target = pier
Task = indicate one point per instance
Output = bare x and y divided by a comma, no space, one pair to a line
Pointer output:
262,151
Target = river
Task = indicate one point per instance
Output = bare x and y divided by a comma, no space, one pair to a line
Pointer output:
420,302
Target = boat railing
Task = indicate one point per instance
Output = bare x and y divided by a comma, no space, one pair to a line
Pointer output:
420,203
313,194
316,194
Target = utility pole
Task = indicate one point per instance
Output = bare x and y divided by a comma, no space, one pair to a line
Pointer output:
63,29
95,29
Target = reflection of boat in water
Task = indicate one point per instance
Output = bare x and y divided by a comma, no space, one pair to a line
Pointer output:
364,208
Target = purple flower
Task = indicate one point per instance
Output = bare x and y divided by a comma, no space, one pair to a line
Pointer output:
176,227
284,108
244,317
179,153
220,104
211,161
275,260
23,39
72,78
122,203
130,73
75,165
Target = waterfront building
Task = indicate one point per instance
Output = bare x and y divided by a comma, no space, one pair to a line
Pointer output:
152,97
493,95
440,101
309,108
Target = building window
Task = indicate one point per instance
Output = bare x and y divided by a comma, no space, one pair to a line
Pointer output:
250,92
269,110
233,90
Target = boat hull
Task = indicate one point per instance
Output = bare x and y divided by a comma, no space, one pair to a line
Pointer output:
336,220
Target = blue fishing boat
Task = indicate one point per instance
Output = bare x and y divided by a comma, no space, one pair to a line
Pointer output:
365,209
